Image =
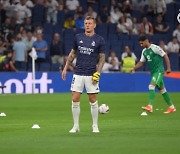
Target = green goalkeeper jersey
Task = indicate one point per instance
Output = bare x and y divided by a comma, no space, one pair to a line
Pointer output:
154,57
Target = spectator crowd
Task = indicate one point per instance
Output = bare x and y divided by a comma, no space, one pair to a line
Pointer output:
49,27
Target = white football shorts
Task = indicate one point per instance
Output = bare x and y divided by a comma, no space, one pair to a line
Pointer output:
79,82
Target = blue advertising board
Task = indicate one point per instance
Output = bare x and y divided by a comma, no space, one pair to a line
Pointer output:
51,82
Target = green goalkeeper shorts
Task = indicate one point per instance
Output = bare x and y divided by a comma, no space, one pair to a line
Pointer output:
157,78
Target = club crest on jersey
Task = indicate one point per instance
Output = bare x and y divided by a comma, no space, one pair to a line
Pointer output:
93,43
81,41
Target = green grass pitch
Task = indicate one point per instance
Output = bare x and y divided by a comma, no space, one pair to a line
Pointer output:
122,131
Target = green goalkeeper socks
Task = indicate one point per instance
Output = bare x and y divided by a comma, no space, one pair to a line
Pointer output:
167,99
151,96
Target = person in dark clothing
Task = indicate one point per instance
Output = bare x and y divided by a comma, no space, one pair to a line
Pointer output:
56,50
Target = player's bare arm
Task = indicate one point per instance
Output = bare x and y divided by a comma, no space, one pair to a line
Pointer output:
101,62
12,66
69,61
166,59
138,65
96,75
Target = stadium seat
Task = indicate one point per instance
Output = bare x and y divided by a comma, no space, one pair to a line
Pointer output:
107,50
150,19
104,3
68,40
170,7
116,42
83,3
167,37
38,14
102,30
157,37
44,67
137,53
95,6
168,17
156,41
174,60
124,37
60,18
21,67
58,29
79,30
103,34
29,66
137,14
136,46
55,67
113,37
117,47
171,10
127,43
70,13
134,37
48,29
47,38
69,33
67,47
112,28
177,7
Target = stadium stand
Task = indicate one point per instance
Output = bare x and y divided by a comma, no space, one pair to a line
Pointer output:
113,40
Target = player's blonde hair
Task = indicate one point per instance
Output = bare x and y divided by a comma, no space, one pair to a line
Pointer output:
91,18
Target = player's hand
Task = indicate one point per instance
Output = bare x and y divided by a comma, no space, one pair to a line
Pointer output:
132,70
168,71
63,75
96,77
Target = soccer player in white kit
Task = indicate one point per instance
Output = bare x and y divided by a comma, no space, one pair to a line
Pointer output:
89,50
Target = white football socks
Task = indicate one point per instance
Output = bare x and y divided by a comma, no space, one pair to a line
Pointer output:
94,112
172,106
76,113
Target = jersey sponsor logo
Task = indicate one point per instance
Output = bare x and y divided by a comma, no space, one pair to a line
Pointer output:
85,50
149,58
93,43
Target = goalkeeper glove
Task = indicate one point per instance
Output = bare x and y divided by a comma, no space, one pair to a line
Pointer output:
96,77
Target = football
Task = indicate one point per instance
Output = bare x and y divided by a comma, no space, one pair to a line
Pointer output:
103,109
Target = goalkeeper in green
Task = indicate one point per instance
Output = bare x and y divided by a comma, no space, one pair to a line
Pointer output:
154,55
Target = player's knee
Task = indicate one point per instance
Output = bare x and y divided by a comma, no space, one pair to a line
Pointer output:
75,99
151,87
93,103
75,103
76,96
162,91
92,100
